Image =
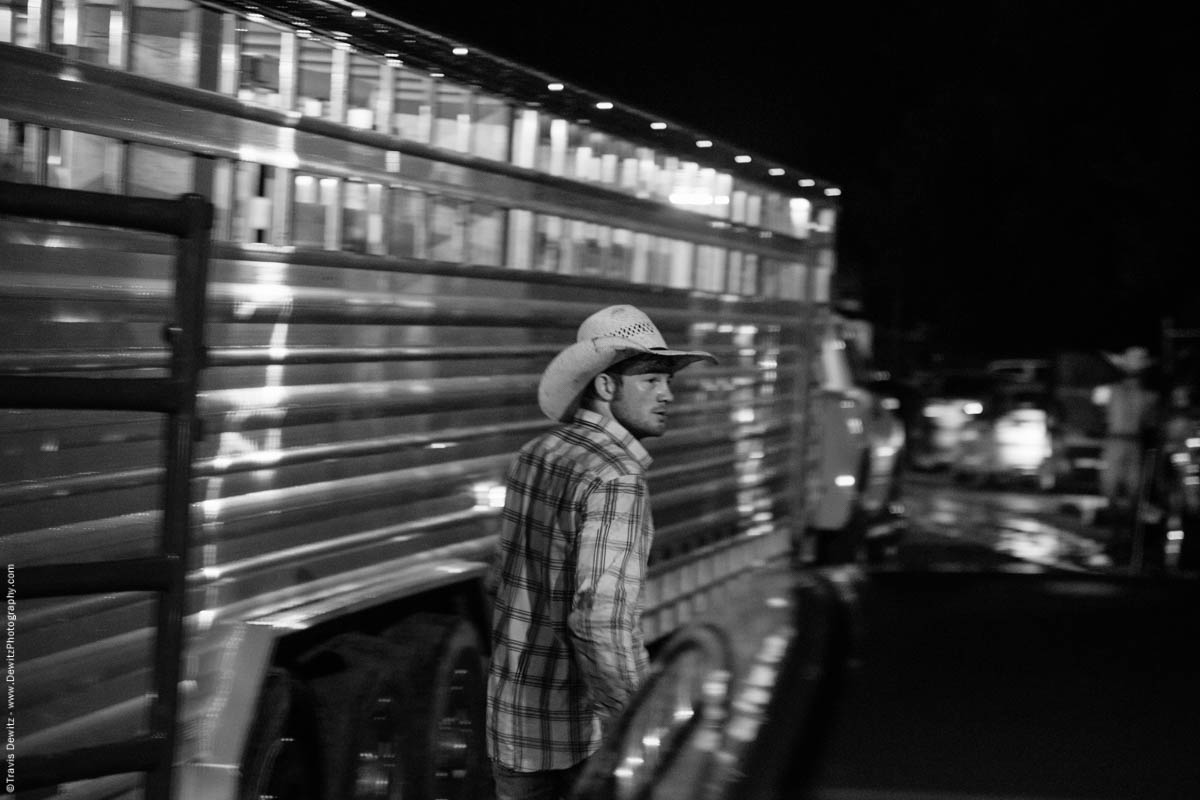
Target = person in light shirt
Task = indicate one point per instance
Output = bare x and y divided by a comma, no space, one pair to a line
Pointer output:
1130,417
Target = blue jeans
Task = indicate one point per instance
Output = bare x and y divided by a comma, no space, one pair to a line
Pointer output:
552,784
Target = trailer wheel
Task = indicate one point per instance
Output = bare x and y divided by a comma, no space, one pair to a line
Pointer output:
281,754
444,717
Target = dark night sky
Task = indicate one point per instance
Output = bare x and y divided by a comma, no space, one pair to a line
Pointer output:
1016,175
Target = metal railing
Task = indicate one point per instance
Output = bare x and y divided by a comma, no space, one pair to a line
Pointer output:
189,220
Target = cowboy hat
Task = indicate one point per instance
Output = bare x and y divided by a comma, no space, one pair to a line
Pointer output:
610,335
1134,359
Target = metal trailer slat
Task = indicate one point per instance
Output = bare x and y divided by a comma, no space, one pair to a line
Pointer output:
97,577
108,394
143,754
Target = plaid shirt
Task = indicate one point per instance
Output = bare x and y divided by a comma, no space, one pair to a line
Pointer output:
566,630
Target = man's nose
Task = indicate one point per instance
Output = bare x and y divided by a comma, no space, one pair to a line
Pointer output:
665,395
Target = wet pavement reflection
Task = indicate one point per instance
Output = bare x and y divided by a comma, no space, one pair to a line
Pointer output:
949,522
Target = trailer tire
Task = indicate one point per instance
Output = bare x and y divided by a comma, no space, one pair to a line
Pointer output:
444,718
281,753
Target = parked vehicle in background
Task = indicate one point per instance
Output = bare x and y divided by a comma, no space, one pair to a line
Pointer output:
1010,440
952,399
857,442
1039,424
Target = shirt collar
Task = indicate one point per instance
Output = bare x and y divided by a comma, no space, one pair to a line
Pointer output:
618,432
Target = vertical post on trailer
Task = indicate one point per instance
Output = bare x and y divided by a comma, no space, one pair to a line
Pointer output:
186,339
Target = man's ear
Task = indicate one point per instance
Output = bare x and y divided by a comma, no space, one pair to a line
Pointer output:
605,386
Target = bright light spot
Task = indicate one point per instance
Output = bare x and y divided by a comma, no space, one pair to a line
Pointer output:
258,295
1193,443
652,740
437,74
205,618
743,416
742,159
806,182
284,158
775,171
832,191
255,17
697,197
658,126
844,480
460,51
800,210
604,105
358,13
704,143
211,573
555,87
293,622
488,494
303,34
973,408
1175,536
681,715
211,509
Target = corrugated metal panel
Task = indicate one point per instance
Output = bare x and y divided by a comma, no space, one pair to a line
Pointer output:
356,416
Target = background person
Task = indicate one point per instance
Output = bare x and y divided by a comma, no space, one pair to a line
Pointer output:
1130,418
567,645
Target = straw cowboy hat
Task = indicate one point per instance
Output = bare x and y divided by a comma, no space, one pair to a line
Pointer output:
610,335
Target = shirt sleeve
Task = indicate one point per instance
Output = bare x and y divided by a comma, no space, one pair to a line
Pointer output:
610,569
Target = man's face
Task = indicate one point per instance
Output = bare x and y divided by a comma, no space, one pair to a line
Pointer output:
640,403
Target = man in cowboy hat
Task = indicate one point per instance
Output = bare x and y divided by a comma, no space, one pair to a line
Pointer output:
567,646
1129,417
